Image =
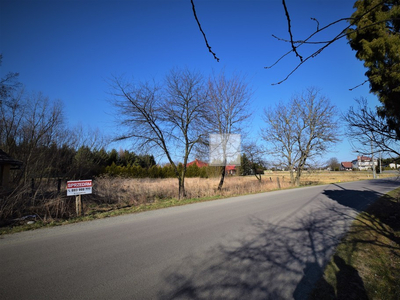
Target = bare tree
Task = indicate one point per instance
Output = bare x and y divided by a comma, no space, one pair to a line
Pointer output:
11,117
255,154
30,124
8,84
228,108
11,110
42,126
333,164
31,129
163,116
303,129
183,111
93,138
369,133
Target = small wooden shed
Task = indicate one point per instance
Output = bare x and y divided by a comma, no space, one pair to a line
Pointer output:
7,163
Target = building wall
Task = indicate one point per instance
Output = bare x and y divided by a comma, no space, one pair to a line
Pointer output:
4,175
363,164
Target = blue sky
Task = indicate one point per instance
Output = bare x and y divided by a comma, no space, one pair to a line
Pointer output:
68,49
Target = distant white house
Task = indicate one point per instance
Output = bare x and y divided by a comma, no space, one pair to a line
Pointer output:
363,163
394,166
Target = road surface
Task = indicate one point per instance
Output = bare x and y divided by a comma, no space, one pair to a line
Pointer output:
266,246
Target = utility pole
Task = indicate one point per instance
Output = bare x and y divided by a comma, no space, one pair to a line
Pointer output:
373,162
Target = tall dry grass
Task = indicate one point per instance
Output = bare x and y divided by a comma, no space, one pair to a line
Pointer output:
129,191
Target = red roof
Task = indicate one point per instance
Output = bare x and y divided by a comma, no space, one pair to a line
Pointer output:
363,158
199,163
347,164
230,168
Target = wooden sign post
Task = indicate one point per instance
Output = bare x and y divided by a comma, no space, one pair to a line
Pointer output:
78,204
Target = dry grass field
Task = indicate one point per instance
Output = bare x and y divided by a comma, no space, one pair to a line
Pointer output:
127,191
325,177
140,191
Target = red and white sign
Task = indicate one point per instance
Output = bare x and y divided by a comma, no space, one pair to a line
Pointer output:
79,187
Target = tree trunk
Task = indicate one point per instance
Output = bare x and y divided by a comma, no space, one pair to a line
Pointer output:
258,176
292,178
298,175
221,182
182,193
297,181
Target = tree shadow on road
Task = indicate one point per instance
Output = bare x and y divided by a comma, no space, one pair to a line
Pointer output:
274,261
355,199
277,260
377,216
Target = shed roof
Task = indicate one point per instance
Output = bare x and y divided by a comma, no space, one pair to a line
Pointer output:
6,159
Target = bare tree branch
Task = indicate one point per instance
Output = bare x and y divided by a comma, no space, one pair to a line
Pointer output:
315,53
357,86
201,30
366,127
314,19
294,48
296,44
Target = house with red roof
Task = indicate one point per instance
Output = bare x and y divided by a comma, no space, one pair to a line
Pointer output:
231,170
346,166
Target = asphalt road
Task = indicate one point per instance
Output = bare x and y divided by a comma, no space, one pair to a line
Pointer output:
266,246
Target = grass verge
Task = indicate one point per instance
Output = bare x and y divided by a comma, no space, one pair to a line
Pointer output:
366,264
110,212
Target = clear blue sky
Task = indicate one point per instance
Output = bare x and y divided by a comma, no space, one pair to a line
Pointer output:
68,49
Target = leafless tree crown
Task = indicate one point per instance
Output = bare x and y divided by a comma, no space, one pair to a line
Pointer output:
164,117
366,129
301,130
